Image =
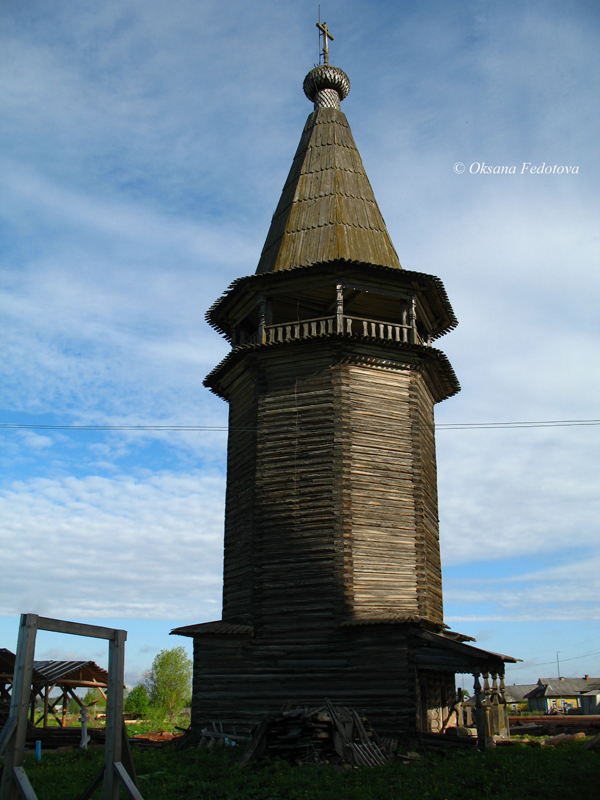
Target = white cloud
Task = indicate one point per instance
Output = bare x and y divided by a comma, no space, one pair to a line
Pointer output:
35,440
120,547
566,592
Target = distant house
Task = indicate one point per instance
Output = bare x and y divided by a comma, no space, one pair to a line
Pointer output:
516,699
590,701
565,694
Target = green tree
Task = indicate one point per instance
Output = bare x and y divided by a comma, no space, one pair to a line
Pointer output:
137,701
73,707
169,681
94,701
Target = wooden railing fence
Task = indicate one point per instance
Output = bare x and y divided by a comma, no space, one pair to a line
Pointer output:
341,324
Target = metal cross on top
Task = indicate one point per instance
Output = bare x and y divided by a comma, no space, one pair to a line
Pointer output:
322,26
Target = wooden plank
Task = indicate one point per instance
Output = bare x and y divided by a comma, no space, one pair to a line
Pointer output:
128,784
76,628
7,731
257,739
22,782
126,755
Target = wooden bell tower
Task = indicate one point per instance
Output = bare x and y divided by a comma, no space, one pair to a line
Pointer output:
332,564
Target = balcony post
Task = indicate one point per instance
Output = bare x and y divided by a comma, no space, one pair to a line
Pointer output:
339,308
413,320
262,314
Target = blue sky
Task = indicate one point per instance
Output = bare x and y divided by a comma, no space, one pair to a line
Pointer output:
144,146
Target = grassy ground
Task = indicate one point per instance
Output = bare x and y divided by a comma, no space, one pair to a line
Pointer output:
515,773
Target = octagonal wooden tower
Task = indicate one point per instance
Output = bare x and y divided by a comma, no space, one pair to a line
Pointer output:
332,576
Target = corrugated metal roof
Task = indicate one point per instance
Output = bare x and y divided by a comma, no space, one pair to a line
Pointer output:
565,687
218,626
71,671
390,619
327,210
518,692
467,651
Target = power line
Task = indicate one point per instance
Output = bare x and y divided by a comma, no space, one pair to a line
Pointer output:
545,663
441,426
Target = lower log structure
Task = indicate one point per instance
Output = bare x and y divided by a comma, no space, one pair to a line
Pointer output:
398,672
238,679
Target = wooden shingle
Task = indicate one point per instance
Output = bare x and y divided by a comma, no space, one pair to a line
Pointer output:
327,210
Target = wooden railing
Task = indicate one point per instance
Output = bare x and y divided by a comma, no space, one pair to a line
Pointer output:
323,326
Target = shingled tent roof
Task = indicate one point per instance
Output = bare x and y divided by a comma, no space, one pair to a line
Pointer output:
327,209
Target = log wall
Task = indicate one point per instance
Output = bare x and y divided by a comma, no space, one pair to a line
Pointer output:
331,507
239,679
391,504
240,497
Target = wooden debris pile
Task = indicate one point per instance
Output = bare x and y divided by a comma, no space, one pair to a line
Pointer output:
326,735
153,739
216,737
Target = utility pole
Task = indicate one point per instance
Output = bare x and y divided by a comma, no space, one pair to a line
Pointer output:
558,664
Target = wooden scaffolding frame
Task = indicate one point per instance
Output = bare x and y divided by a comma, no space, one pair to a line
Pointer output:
12,737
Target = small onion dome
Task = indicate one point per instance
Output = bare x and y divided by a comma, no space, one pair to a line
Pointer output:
326,86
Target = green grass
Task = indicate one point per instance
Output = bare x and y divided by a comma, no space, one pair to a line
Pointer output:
515,773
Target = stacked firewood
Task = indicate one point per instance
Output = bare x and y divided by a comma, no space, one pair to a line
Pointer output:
326,735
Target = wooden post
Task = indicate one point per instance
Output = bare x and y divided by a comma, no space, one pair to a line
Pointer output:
262,315
487,711
19,704
503,710
494,709
339,312
46,693
114,713
413,320
32,707
404,321
65,702
83,718
479,722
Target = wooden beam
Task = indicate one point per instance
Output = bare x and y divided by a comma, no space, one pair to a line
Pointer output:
77,628
6,732
126,755
22,782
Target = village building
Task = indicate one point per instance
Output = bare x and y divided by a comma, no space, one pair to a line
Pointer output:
332,573
516,697
564,695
